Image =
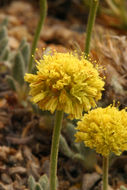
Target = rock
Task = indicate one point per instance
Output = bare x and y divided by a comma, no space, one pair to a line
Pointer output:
19,7
19,32
18,169
5,178
13,43
74,188
89,180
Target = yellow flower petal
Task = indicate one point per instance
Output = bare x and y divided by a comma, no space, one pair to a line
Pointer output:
38,97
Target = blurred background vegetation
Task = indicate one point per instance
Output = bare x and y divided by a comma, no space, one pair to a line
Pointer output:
113,11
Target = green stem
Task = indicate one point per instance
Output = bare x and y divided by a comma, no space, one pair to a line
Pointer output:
105,173
54,149
43,12
91,20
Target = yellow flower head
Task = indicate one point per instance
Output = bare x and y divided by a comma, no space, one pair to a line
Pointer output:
65,82
104,129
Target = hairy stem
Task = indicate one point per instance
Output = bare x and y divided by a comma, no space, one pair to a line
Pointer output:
43,12
91,20
105,173
55,148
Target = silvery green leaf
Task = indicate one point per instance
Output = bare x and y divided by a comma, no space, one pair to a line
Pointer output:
18,68
44,182
11,82
3,32
3,44
31,183
38,187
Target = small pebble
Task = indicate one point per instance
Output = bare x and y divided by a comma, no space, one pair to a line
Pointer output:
5,178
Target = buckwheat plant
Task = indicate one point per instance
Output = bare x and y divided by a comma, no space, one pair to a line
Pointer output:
105,130
64,82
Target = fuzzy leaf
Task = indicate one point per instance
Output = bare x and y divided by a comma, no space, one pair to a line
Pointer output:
31,183
79,157
70,132
44,182
25,50
3,32
123,187
18,68
70,128
4,22
64,148
11,82
22,43
3,44
38,187
5,54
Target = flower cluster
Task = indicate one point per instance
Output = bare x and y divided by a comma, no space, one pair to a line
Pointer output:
65,81
104,129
